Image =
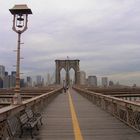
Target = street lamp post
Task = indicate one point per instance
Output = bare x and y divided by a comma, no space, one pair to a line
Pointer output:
20,18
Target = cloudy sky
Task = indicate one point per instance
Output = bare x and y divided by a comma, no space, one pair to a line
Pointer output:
103,34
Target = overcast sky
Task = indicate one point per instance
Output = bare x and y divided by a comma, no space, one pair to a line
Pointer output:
103,34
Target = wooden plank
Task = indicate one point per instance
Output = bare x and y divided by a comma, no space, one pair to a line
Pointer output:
57,123
96,124
76,128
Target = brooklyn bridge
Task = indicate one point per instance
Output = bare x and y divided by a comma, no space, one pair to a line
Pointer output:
106,32
79,112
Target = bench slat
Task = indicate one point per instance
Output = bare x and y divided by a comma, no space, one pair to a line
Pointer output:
32,115
27,123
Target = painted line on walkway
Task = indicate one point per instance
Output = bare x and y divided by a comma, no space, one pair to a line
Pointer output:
76,128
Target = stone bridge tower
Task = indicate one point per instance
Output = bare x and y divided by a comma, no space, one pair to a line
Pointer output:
67,65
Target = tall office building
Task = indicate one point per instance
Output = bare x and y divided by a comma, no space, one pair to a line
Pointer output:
29,81
6,81
22,83
92,80
39,80
104,81
1,82
111,83
6,73
13,79
9,81
48,79
2,71
13,73
42,81
82,78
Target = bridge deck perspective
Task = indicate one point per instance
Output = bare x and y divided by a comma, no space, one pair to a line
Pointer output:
70,116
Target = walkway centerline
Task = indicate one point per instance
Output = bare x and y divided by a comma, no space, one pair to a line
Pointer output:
76,128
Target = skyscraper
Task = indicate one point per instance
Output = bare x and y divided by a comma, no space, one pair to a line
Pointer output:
29,81
13,79
2,71
104,81
82,78
9,81
6,81
48,79
6,73
1,82
92,80
38,80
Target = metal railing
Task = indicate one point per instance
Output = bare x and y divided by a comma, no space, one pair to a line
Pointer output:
36,103
126,111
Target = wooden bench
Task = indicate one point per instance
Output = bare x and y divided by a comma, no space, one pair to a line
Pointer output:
27,123
32,115
28,120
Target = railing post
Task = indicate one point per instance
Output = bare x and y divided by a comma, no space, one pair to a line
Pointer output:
3,129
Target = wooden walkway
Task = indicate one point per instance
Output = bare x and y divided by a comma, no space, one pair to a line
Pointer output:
94,123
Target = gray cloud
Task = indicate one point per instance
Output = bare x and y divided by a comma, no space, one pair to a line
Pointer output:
104,35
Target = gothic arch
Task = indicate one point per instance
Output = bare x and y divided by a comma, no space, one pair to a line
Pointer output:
67,65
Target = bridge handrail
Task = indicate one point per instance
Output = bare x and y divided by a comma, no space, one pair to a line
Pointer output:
126,111
9,110
109,97
36,103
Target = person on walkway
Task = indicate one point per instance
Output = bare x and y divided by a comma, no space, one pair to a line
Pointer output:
65,89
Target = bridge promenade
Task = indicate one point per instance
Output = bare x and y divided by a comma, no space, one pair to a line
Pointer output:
71,116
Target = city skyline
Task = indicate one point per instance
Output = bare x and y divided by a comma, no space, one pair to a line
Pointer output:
47,79
103,35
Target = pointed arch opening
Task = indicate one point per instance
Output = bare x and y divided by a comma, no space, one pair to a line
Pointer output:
62,75
72,76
